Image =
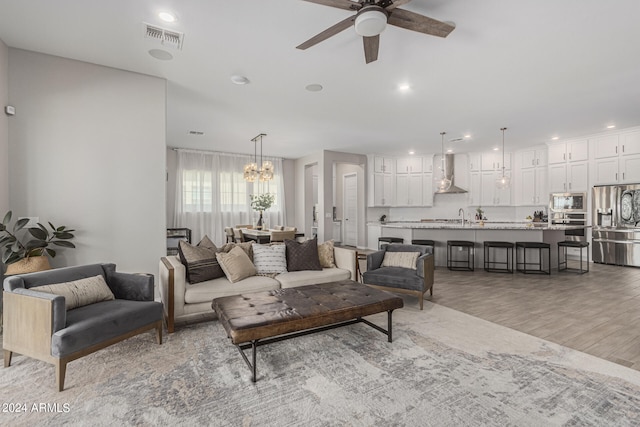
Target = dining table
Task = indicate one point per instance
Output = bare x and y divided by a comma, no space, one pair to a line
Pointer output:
261,236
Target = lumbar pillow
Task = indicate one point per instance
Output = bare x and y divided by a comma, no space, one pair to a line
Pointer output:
400,259
236,264
302,256
325,253
269,258
200,261
80,292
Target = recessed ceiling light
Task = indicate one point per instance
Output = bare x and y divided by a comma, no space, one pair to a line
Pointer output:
495,149
611,126
160,54
555,138
239,80
411,152
449,150
404,87
467,136
167,16
314,87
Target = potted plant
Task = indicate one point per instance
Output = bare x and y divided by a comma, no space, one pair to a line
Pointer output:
261,202
22,256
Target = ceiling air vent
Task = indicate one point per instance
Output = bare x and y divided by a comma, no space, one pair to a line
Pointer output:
165,37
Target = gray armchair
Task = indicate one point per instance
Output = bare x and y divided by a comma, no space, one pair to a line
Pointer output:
398,279
39,325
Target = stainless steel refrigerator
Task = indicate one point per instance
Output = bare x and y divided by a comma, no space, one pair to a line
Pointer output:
616,229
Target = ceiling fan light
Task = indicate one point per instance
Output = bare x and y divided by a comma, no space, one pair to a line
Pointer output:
370,22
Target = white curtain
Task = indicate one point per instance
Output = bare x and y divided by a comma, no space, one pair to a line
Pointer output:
211,193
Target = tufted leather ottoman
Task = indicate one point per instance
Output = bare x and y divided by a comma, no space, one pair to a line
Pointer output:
260,318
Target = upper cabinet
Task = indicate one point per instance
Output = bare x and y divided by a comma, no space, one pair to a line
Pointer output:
616,158
530,181
492,161
571,151
383,164
533,158
409,165
474,161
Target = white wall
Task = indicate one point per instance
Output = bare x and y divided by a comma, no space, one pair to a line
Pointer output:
4,129
87,150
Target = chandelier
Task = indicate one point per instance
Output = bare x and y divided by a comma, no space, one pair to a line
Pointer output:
442,182
251,170
504,181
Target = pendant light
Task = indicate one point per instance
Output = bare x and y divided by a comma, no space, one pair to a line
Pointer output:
442,182
504,181
252,171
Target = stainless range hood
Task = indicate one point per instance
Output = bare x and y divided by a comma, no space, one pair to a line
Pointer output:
449,174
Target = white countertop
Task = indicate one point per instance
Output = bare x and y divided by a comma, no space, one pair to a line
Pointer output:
488,225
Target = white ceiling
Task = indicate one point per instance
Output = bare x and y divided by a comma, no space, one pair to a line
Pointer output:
541,68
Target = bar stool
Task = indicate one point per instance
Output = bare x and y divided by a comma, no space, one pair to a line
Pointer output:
388,240
423,242
495,266
540,246
562,256
464,264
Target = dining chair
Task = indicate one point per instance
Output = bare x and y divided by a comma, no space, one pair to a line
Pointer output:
238,236
280,236
228,231
244,226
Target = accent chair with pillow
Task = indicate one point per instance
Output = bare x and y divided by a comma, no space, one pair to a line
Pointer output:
60,315
401,268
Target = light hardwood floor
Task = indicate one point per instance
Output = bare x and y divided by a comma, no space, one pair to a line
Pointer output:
597,312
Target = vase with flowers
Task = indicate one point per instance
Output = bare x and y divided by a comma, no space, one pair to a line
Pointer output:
260,203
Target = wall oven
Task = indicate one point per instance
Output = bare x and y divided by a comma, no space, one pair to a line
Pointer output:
569,209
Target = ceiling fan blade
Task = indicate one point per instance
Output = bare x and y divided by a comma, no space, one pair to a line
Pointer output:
423,24
393,5
371,45
331,31
340,4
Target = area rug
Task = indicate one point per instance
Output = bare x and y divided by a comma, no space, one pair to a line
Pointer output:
444,368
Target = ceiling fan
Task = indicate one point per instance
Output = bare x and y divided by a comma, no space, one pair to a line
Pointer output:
371,19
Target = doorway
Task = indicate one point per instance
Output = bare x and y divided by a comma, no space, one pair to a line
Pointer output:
350,204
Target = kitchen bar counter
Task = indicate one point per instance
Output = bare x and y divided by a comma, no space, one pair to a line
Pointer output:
441,231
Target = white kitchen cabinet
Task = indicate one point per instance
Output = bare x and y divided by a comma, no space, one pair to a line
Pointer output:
568,177
427,189
533,158
474,161
492,161
408,190
617,159
383,189
411,164
490,194
571,151
531,187
475,189
427,164
382,164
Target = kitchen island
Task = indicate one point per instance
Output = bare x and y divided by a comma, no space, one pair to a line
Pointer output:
441,231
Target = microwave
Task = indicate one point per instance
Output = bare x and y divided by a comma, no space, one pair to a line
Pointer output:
568,202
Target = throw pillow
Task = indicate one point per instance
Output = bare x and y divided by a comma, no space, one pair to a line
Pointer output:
245,246
302,256
81,292
269,258
236,264
200,261
400,259
325,253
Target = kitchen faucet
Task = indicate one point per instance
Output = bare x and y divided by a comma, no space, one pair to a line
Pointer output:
461,212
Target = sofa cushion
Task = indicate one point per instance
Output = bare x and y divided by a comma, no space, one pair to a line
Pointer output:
99,322
312,277
269,258
200,261
302,256
236,264
221,287
400,259
79,293
325,253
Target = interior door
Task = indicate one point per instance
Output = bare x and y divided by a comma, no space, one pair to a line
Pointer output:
350,228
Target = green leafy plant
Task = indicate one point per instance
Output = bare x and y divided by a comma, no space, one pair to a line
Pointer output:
262,202
16,249
480,212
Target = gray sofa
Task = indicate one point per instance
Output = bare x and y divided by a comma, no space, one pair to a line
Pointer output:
39,325
414,281
184,301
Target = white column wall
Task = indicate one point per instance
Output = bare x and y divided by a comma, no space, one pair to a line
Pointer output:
87,150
